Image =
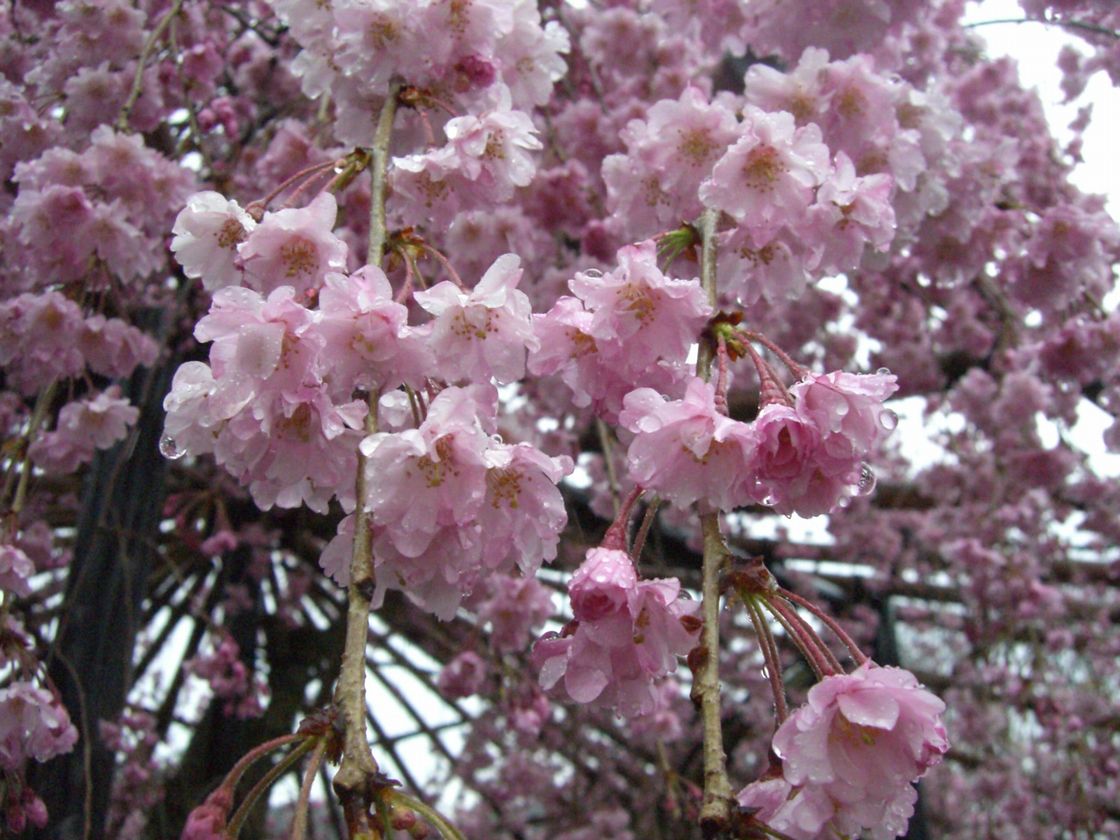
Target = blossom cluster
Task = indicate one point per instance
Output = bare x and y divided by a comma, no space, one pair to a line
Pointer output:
103,199
34,726
47,336
450,502
626,636
84,426
849,756
222,668
631,327
804,457
488,63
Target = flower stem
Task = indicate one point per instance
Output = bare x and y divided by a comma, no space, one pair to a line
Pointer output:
279,769
806,639
797,370
254,755
299,823
858,655
446,829
769,654
616,535
643,530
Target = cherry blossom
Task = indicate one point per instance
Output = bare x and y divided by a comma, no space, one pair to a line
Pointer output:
293,247
850,754
766,179
33,725
685,449
207,233
486,332
628,638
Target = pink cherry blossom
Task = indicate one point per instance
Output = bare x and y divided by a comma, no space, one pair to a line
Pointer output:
84,426
294,247
33,725
366,334
485,332
861,740
669,153
630,640
601,586
514,607
522,513
15,570
766,179
463,675
206,235
433,476
493,148
208,820
685,449
848,410
783,458
850,214
639,313
775,270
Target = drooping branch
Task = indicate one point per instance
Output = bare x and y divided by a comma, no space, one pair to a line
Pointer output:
715,811
356,778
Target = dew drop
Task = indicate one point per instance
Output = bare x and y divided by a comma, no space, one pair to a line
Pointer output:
884,371
593,273
169,449
888,420
866,480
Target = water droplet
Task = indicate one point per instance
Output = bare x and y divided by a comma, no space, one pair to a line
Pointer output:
866,480
766,672
169,449
884,371
593,273
888,420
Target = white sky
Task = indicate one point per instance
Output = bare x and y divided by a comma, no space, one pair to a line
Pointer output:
1035,47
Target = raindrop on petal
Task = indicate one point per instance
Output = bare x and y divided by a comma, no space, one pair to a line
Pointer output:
169,449
884,371
888,420
866,480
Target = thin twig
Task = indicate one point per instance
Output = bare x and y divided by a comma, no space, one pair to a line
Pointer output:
643,529
141,63
608,462
1064,24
